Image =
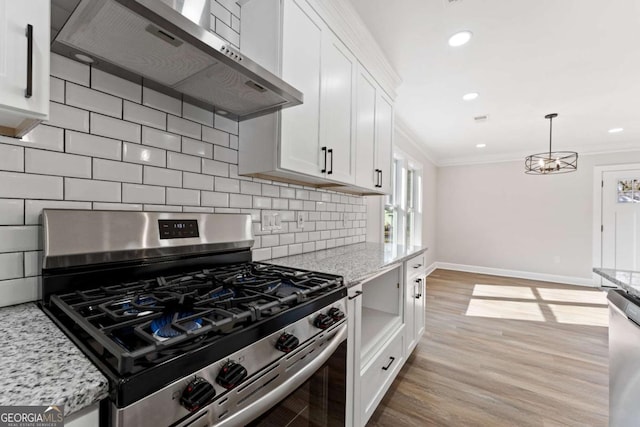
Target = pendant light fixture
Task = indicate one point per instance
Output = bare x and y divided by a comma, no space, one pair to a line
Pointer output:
551,162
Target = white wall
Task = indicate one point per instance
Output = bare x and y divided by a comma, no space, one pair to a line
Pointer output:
375,204
496,216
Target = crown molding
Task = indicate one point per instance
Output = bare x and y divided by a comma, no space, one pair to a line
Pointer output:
401,127
343,19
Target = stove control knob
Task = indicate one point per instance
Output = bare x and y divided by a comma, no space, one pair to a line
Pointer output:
336,314
287,342
322,321
198,393
231,375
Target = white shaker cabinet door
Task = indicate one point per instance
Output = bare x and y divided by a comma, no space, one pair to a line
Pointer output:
301,52
384,139
366,176
24,64
337,124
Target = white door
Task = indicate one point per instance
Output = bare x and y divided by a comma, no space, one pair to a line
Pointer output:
337,125
16,104
301,52
621,219
384,140
365,130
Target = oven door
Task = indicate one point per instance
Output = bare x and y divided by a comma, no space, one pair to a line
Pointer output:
319,402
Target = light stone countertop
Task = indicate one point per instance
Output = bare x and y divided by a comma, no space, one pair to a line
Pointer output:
39,365
355,262
627,280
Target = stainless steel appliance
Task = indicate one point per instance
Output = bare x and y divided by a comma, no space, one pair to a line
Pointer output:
187,329
168,43
624,359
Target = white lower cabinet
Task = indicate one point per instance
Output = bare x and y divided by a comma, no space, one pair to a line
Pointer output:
386,320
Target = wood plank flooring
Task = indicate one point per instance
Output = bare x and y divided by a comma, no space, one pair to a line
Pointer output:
504,352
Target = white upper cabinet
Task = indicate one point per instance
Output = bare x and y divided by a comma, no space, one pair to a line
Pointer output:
24,65
318,143
384,141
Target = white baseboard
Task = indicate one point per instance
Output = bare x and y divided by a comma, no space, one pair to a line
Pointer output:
569,280
431,268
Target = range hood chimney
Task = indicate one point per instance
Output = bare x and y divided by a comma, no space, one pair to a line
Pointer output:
167,45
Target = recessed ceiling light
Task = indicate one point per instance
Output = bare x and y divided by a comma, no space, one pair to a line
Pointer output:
616,130
470,96
84,58
481,145
222,112
460,38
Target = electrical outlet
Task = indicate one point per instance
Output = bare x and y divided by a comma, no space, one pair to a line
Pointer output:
300,220
271,221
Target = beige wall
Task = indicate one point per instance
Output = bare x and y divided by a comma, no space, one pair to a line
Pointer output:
496,216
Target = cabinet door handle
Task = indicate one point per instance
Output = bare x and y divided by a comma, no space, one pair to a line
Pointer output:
356,295
29,91
380,185
330,150
384,368
377,178
417,266
324,169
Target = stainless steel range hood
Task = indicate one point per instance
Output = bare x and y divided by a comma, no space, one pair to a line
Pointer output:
167,45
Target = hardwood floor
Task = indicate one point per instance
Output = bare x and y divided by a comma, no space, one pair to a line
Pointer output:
504,352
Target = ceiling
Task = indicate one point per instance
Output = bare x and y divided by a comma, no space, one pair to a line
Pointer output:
527,58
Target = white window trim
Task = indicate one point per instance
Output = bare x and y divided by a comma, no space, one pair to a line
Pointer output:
404,162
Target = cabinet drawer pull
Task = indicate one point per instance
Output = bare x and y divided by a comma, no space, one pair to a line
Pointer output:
380,185
384,368
357,294
417,266
325,159
330,171
29,91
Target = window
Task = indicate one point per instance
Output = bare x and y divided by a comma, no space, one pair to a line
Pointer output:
403,208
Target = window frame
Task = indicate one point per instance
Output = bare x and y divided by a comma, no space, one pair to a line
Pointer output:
407,220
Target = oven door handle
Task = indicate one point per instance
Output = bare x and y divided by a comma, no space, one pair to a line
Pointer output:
267,401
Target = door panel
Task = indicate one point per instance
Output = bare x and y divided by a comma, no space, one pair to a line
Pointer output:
621,219
365,130
301,50
337,124
384,138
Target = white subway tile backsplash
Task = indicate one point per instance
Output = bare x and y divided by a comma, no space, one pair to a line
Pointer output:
179,196
162,208
225,154
160,101
320,245
88,190
91,145
295,249
115,85
144,115
108,170
197,209
212,167
33,208
11,265
225,31
270,240
89,99
308,247
17,291
218,200
288,193
233,142
221,12
261,202
32,263
261,254
142,154
227,185
240,201
279,251
160,176
133,193
197,148
116,206
53,163
248,187
11,212
215,136
11,158
184,127
270,190
114,128
160,139
183,162
19,185
235,23
197,181
197,114
67,69
46,137
67,117
19,238
225,124
56,90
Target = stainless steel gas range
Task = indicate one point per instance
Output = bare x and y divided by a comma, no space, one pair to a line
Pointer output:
187,329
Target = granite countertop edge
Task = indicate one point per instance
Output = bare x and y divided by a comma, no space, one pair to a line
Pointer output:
355,263
626,279
41,365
